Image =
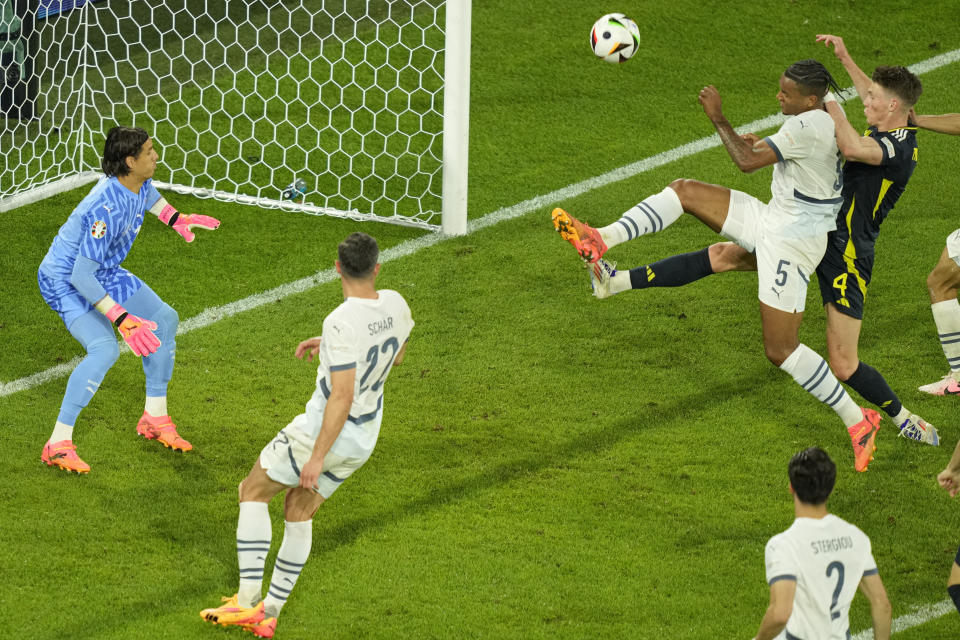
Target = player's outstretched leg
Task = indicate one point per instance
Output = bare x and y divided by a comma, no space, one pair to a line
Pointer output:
584,238
655,213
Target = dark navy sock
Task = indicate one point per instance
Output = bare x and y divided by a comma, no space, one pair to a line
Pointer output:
868,382
954,591
674,271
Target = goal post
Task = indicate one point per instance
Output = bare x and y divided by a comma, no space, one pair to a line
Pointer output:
361,107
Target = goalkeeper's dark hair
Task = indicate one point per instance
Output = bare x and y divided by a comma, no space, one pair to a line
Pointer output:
812,78
358,255
900,82
121,143
812,475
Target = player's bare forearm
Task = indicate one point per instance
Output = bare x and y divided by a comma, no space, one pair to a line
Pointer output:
880,609
770,626
861,81
741,151
946,123
335,415
954,464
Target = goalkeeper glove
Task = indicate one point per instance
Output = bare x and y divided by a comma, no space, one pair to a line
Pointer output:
136,332
182,223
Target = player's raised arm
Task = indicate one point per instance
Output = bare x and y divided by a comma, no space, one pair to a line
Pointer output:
747,156
946,123
861,81
852,145
872,587
182,223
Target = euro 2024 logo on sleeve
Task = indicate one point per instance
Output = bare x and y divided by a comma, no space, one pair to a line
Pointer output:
99,229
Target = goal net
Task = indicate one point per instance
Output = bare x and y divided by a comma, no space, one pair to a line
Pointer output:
332,108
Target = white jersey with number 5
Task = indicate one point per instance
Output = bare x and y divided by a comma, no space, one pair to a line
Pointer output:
364,334
807,177
826,557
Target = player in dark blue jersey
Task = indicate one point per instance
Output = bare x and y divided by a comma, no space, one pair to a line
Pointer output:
82,280
879,165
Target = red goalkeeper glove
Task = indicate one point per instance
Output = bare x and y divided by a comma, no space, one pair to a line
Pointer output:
183,223
136,332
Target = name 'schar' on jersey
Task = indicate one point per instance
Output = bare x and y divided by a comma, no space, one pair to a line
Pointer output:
380,325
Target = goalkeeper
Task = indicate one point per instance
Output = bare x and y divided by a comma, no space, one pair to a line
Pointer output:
82,280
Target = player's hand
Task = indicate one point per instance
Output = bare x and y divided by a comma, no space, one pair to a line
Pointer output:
710,101
310,473
185,223
138,334
839,49
310,347
751,138
950,481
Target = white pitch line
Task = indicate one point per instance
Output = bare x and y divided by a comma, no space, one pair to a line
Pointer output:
214,314
922,615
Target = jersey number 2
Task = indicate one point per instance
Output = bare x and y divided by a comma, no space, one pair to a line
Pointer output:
836,564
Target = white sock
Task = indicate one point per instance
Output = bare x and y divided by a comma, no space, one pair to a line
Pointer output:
901,417
654,214
620,281
61,432
946,315
156,406
293,554
811,372
253,545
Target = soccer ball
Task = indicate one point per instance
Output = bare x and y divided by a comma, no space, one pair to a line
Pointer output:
614,37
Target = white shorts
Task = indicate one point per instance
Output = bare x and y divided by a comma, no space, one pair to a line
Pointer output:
953,246
285,455
784,265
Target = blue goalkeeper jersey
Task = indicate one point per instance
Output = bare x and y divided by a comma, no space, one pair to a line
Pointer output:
101,228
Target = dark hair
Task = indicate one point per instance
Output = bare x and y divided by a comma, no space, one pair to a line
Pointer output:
900,82
358,255
812,474
122,142
811,78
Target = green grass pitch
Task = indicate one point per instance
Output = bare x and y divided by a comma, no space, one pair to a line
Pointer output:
550,465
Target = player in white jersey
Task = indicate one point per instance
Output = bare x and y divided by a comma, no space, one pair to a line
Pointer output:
815,566
788,234
311,457
944,282
82,279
